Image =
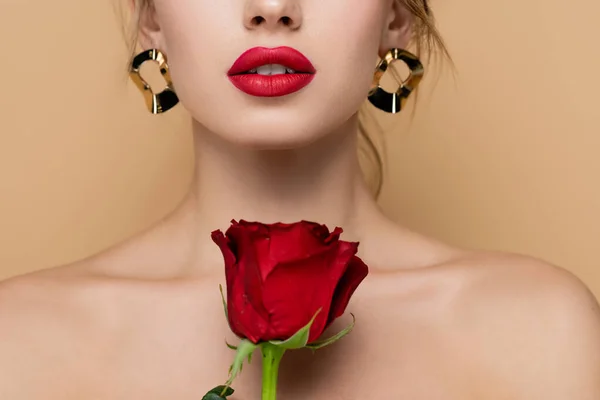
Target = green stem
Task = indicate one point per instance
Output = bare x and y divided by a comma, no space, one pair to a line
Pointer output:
272,356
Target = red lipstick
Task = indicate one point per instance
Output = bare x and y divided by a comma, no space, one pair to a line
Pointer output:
265,72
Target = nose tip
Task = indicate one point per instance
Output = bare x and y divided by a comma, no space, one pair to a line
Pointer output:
272,14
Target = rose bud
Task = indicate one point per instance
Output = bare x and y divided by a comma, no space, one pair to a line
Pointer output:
279,276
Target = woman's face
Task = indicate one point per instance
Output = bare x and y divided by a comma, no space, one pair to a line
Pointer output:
203,39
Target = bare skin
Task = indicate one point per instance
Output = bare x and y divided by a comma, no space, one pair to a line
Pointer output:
144,319
439,323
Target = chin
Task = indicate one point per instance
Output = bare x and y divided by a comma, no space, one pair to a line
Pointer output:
273,137
265,128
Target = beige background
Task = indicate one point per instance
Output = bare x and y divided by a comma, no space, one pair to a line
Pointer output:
503,157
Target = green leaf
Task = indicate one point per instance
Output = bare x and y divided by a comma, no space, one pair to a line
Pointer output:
244,351
219,393
319,344
299,339
213,396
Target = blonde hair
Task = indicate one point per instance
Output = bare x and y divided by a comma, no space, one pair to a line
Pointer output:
426,41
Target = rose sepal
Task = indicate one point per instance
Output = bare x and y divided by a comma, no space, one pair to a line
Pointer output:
243,353
227,315
232,347
246,348
272,352
299,340
319,344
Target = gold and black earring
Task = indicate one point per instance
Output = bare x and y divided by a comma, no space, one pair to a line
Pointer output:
394,102
157,103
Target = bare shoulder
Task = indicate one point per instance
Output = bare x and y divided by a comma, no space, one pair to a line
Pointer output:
47,322
516,278
535,325
527,287
74,314
77,297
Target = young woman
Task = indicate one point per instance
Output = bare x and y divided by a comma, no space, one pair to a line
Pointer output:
274,87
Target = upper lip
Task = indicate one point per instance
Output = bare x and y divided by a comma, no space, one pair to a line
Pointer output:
259,56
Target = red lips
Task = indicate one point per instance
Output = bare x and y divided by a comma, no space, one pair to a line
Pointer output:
275,85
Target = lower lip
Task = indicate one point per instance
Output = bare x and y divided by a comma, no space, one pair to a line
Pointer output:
271,85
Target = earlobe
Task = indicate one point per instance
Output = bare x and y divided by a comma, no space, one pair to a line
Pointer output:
398,28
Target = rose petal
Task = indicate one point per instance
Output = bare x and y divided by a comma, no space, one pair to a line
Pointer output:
244,320
334,236
256,236
293,294
225,245
287,242
294,241
229,257
356,272
320,231
294,291
253,226
244,287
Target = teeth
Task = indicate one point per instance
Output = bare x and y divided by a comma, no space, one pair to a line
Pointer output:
272,69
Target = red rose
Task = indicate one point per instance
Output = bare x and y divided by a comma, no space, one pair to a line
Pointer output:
279,275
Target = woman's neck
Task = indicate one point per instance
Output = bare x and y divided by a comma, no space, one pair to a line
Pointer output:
321,182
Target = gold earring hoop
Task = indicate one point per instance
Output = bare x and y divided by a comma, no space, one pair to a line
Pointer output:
394,102
157,103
